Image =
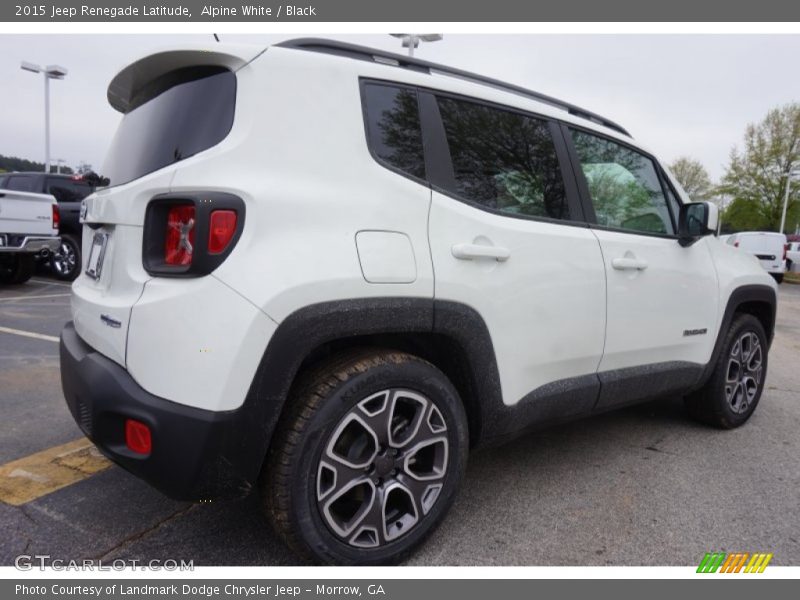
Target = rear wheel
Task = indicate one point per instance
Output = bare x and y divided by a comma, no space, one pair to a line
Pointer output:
368,459
65,262
732,393
16,268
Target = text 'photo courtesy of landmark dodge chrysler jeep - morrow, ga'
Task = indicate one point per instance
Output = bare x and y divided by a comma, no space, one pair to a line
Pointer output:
328,272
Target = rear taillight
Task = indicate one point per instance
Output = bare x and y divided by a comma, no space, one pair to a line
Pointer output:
221,230
190,234
179,235
56,216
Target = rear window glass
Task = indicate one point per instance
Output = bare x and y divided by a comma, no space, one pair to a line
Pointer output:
180,114
20,183
504,160
393,129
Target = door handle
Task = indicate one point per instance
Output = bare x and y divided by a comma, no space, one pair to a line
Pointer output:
470,251
629,264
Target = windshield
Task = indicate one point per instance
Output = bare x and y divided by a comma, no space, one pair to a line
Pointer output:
175,116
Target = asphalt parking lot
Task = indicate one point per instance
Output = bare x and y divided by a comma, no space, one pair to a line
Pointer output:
641,486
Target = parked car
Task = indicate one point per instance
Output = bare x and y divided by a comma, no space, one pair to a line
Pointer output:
793,257
331,287
28,227
69,191
767,246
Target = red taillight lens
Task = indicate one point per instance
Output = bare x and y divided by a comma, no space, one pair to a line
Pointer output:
179,238
56,216
137,437
221,230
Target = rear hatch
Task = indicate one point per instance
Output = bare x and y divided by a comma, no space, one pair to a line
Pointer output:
175,104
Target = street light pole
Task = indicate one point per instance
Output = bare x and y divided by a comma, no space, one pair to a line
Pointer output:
49,72
789,177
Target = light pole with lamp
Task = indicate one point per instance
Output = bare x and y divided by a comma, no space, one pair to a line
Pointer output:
49,72
790,176
412,40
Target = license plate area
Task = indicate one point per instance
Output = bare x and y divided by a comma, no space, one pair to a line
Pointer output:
94,266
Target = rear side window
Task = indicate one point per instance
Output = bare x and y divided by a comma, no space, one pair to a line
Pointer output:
623,185
393,128
68,190
21,183
179,114
503,160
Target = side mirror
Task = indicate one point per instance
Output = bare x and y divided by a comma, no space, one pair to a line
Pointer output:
696,220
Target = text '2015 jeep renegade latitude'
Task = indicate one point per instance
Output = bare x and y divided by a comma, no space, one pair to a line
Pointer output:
328,272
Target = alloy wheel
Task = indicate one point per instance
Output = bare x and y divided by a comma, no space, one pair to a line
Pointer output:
382,469
64,259
745,369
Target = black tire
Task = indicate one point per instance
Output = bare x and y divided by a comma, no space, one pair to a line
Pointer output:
296,472
732,393
17,268
65,263
777,277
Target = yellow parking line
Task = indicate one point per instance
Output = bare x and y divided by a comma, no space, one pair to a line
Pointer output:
37,475
30,334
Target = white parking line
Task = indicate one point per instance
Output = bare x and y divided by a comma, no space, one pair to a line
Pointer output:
30,334
45,282
34,297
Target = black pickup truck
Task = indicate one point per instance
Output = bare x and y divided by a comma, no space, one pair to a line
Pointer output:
69,191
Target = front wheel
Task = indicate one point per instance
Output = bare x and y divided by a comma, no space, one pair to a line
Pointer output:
732,392
368,459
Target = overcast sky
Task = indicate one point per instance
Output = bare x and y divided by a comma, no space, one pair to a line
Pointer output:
678,94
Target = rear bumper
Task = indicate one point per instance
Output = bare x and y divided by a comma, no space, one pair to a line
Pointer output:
196,454
31,244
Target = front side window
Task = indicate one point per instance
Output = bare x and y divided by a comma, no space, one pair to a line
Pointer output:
623,185
504,160
393,127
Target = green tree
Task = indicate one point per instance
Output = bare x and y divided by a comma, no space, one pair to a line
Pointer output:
693,177
755,178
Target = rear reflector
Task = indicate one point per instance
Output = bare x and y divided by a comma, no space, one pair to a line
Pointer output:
137,437
179,238
221,230
56,216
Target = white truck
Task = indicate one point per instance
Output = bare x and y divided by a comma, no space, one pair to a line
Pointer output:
28,226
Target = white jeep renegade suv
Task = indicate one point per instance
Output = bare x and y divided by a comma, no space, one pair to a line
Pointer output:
329,272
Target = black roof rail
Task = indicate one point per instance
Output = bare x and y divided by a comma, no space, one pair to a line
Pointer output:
415,64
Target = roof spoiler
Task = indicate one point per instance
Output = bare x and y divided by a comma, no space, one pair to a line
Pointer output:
123,88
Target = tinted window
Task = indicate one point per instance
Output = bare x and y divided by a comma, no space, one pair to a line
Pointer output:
68,190
503,160
21,183
180,114
393,129
623,184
